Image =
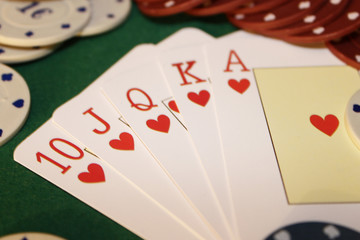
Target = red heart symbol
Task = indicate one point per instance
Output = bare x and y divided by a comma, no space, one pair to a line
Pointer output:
240,86
173,106
95,174
125,142
202,98
328,125
162,124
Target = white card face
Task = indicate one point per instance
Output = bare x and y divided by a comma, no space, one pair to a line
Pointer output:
186,75
60,159
251,161
140,97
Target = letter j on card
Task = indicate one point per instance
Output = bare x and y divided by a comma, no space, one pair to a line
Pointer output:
305,110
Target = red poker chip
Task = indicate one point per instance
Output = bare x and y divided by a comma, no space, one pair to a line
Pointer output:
215,7
346,51
283,15
147,1
344,24
256,6
355,38
167,7
331,10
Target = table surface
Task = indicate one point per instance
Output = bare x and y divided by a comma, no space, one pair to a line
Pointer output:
29,203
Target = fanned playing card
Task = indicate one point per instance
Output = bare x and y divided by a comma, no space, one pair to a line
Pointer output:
241,137
96,124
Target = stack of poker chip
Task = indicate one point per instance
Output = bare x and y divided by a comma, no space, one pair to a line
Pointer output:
333,22
30,30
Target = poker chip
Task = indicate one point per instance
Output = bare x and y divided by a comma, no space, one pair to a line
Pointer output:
282,15
147,1
41,23
106,15
256,6
31,236
297,21
346,23
355,38
314,230
167,7
19,55
325,14
14,102
346,51
352,118
216,7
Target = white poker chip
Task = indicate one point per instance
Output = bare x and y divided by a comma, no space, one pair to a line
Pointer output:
10,54
352,118
14,102
41,23
106,15
31,236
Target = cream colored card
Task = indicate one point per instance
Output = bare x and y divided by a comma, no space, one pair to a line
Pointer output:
318,161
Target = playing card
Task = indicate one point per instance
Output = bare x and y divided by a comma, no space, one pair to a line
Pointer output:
187,77
103,131
317,159
261,203
98,126
139,97
60,159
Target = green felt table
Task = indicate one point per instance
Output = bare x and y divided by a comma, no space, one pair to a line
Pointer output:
29,203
